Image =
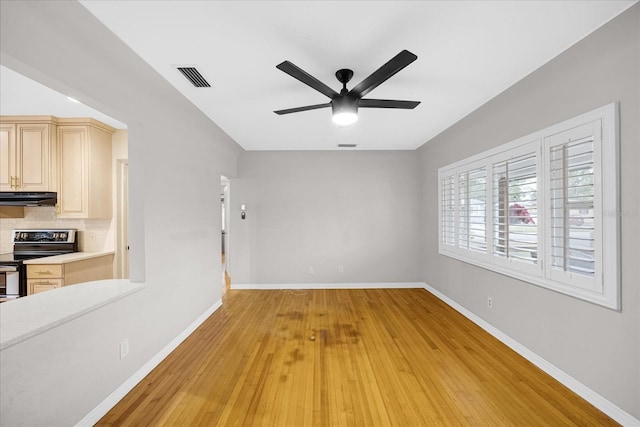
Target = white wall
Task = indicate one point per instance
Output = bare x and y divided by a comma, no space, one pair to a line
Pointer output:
597,346
176,157
326,209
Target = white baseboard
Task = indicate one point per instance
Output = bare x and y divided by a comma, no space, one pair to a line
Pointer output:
99,411
574,385
301,286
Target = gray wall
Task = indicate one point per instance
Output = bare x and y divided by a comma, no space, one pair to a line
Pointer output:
325,209
597,346
176,157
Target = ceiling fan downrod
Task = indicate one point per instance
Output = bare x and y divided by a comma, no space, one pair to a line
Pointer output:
344,76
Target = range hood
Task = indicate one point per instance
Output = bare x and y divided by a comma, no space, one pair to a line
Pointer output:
28,198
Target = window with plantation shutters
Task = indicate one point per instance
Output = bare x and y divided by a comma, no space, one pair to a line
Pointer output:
542,208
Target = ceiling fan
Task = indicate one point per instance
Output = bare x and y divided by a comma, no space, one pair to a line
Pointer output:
345,104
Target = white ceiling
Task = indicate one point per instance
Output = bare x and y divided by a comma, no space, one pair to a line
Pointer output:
468,52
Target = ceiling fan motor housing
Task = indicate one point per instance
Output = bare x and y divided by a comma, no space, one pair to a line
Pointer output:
344,104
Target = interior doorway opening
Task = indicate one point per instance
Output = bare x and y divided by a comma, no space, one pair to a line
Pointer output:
224,198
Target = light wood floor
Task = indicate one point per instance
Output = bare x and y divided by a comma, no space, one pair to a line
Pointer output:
346,358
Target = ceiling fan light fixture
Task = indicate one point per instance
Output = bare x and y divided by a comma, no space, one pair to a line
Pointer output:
345,118
345,110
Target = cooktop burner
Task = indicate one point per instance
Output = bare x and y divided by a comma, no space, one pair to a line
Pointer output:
38,243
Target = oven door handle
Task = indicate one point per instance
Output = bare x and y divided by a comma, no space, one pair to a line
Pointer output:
8,268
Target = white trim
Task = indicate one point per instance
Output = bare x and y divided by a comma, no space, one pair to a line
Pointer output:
105,406
604,405
380,285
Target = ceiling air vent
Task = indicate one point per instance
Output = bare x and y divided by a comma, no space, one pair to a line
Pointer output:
194,76
347,145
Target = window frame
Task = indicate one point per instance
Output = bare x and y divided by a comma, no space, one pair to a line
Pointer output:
604,288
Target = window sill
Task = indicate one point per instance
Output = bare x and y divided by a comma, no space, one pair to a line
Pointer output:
604,300
24,318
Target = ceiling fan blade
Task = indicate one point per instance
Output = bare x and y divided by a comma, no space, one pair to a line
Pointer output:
387,103
307,108
383,73
306,78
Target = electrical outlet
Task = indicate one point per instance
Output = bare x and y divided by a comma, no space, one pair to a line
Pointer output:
489,302
91,235
310,270
341,269
124,348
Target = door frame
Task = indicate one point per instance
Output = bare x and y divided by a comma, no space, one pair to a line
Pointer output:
122,232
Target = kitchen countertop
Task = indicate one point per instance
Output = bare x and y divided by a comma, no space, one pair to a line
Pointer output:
66,258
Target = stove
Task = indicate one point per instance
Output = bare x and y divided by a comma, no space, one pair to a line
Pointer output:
31,244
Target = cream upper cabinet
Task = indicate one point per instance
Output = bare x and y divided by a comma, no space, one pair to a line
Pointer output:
26,157
84,170
7,156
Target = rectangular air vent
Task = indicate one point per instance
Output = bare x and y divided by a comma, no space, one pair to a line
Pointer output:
347,145
194,76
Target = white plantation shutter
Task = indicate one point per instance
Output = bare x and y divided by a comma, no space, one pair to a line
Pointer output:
472,232
515,208
447,211
573,218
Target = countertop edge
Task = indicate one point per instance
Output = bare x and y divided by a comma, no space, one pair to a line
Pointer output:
66,258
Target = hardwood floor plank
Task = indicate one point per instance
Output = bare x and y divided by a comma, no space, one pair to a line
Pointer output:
379,357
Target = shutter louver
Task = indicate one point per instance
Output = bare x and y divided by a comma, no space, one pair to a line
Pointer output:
448,211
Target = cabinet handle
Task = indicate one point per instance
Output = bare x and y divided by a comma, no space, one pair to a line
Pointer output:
42,283
17,182
13,180
57,209
43,272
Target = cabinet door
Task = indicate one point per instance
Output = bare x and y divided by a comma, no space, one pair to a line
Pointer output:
33,157
37,286
7,156
73,185
84,172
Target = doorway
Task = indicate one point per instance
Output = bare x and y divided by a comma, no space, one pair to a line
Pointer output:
224,202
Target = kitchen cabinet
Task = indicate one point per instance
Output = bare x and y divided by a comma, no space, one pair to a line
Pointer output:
26,154
36,286
44,277
84,169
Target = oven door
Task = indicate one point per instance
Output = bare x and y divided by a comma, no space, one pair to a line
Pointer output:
9,281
